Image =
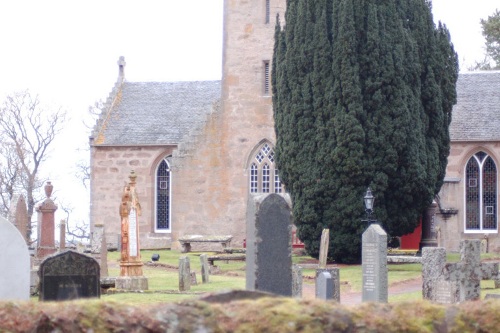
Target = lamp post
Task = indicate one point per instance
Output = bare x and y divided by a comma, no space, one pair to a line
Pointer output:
369,201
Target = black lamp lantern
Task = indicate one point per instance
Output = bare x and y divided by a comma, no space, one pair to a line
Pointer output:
369,201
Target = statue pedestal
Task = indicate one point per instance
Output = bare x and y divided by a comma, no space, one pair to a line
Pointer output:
131,283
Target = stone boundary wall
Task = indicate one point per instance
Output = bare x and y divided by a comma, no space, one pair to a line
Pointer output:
250,314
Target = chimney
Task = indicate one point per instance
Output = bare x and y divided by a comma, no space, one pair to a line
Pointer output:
121,67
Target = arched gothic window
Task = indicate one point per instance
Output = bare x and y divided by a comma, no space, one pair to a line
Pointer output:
480,194
163,197
264,178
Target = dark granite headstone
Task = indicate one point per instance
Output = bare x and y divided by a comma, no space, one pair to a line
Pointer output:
269,245
69,275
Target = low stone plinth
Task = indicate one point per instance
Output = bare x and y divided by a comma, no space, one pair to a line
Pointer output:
131,283
404,259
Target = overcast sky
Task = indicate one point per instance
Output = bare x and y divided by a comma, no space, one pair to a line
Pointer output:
66,51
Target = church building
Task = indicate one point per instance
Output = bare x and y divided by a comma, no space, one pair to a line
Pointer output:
200,149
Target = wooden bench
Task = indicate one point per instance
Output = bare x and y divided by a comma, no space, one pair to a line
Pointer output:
212,259
186,241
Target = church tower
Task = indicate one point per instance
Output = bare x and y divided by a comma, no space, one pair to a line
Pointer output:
237,156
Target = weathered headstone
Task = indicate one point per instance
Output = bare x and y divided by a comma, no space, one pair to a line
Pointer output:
374,264
69,275
205,268
62,235
269,245
334,273
455,282
46,224
296,281
131,277
323,248
14,262
184,274
18,215
324,286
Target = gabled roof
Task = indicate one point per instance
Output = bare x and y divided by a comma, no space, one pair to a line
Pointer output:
476,116
155,113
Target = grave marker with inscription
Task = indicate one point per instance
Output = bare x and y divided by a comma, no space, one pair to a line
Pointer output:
374,264
69,275
131,277
269,245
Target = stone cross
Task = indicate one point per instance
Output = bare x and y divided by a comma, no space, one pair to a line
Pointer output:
269,245
323,248
130,263
455,282
374,264
46,224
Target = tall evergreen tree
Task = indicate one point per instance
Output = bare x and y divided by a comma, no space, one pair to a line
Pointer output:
362,96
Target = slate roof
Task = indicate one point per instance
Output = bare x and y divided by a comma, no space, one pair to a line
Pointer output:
476,116
156,113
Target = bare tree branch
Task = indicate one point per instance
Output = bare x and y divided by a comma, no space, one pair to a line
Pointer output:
27,130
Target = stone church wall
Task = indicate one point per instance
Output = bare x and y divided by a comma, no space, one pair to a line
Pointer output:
111,167
450,217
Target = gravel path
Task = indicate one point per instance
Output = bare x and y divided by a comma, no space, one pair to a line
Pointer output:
352,298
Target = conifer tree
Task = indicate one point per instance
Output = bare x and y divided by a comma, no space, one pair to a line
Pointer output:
362,96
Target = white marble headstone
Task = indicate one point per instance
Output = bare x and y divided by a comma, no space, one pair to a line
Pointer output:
14,263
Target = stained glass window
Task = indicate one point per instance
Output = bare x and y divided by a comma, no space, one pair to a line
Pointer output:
480,194
163,197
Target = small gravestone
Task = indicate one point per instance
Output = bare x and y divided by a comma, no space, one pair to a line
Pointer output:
205,268
334,273
14,262
323,248
374,264
324,286
296,281
269,245
69,275
18,215
184,274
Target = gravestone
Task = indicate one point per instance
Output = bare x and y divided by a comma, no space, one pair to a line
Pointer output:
374,264
324,286
69,275
184,274
131,277
46,224
323,248
205,268
296,281
18,215
455,282
269,245
62,235
14,262
334,273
